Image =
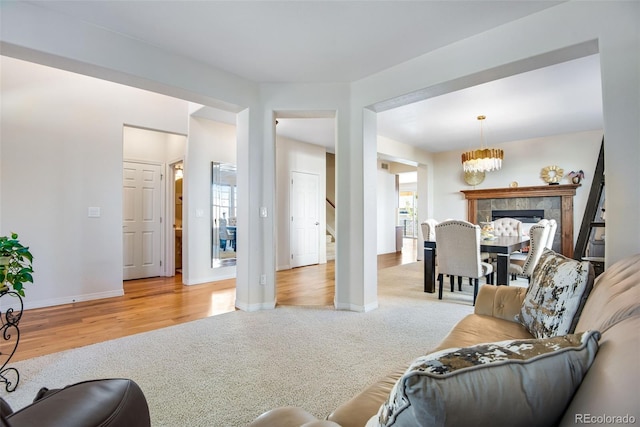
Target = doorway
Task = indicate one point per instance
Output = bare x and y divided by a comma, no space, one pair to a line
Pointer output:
151,163
175,212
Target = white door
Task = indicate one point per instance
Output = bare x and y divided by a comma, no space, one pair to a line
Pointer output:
141,226
304,219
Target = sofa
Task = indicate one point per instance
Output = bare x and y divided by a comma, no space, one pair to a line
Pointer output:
103,402
603,389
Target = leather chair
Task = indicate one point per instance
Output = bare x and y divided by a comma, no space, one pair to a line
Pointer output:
103,402
458,254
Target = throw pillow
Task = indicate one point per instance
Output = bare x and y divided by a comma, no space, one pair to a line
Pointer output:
514,383
557,293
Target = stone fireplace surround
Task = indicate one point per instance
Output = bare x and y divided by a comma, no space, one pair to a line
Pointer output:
556,200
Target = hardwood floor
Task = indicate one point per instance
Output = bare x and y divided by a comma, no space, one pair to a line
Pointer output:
163,301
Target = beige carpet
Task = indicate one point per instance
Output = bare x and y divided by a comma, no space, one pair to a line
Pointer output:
228,369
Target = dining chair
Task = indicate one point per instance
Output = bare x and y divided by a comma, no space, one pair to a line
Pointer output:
428,229
538,237
429,233
552,233
507,227
459,255
504,227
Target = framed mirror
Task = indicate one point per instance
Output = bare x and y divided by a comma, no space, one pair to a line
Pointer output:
223,214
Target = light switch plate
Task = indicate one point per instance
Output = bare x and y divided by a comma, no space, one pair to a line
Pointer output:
263,212
93,212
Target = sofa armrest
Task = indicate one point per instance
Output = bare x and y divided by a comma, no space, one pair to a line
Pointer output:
502,302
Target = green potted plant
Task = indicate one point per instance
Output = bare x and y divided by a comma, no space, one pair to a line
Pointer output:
16,264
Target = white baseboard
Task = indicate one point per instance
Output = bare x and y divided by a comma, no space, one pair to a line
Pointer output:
208,279
356,308
255,307
70,299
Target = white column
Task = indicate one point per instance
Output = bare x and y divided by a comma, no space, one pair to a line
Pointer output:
255,195
356,259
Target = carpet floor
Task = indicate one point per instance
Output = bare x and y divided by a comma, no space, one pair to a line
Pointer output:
228,369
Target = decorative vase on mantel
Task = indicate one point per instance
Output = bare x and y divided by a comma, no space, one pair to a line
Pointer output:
576,177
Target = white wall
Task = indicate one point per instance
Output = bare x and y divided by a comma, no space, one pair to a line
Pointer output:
208,141
62,152
296,156
144,145
522,163
387,200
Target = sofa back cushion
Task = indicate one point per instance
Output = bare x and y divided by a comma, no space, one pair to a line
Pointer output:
615,296
518,382
609,392
611,387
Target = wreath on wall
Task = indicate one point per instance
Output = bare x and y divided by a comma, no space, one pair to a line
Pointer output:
552,174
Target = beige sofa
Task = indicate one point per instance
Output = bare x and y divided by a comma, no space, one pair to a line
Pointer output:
611,387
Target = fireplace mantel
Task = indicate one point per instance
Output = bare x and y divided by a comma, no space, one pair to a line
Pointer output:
566,192
537,191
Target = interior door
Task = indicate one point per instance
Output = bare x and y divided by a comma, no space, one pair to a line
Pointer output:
141,226
304,219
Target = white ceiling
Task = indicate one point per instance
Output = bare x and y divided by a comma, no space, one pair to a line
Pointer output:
343,41
562,98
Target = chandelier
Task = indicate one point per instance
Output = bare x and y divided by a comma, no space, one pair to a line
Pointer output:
483,159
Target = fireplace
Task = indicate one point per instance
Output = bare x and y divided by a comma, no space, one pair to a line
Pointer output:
556,201
525,215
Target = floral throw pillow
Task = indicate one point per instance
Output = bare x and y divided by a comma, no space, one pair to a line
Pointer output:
557,293
516,383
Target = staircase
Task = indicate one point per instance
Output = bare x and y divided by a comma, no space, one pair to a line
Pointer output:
590,243
331,247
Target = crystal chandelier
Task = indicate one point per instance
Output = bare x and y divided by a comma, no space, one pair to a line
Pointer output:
483,159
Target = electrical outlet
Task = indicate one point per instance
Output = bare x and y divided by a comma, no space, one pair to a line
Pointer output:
263,279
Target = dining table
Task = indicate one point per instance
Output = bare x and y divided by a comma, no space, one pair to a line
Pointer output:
502,247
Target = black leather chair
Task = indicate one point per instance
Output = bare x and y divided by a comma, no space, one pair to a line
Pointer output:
103,402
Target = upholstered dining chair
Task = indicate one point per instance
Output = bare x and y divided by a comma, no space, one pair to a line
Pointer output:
458,253
428,234
538,237
507,227
428,227
504,227
552,233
